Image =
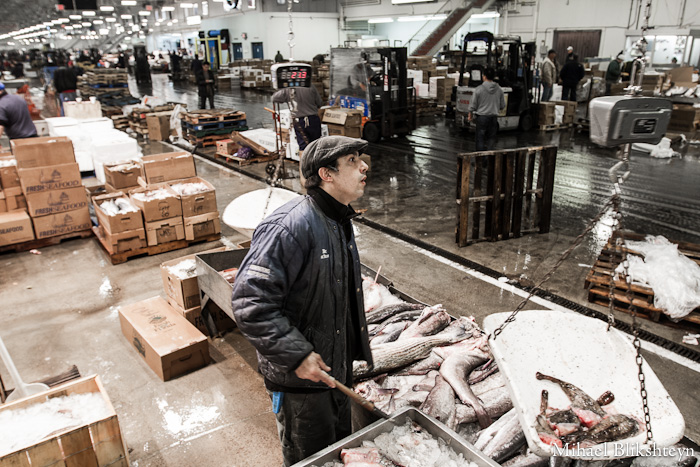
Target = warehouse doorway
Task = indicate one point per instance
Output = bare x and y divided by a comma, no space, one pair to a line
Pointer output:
585,43
257,50
237,49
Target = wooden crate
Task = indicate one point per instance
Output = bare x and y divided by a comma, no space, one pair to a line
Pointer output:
213,115
510,189
598,282
98,444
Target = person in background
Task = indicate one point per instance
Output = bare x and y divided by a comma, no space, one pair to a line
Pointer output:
569,53
196,64
303,104
550,75
206,82
65,81
18,69
612,74
674,62
571,73
279,58
486,103
298,299
14,116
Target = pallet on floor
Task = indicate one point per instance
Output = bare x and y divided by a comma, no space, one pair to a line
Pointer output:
241,161
124,256
557,126
603,270
213,116
44,242
228,124
206,140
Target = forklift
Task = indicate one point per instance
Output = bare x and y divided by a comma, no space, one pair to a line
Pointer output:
373,80
512,60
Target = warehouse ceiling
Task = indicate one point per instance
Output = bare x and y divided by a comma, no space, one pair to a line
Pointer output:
16,14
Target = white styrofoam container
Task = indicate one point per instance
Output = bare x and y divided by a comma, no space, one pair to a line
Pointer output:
56,122
264,137
42,128
112,145
581,351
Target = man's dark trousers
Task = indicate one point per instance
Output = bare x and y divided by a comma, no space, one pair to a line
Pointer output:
203,101
307,129
486,128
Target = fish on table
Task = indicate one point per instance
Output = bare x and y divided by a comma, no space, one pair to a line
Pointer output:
455,369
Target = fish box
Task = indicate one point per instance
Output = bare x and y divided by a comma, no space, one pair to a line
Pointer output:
120,222
122,174
168,343
55,177
45,203
345,117
3,203
158,126
219,318
166,207
9,176
15,201
159,168
182,291
99,443
211,283
59,224
202,226
198,203
340,130
164,231
15,227
41,152
429,424
126,240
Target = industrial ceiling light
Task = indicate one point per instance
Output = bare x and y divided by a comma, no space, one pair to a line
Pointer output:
380,20
186,5
64,20
128,2
106,8
144,13
86,23
168,8
407,19
88,13
111,20
125,16
98,21
175,20
75,17
170,23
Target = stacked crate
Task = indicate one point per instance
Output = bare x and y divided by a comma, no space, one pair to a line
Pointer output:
138,118
205,127
343,122
321,80
15,224
103,80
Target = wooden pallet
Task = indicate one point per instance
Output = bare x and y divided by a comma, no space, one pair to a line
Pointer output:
212,116
44,242
124,256
598,283
241,162
558,126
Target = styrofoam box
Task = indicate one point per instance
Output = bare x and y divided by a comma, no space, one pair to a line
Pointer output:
112,145
264,137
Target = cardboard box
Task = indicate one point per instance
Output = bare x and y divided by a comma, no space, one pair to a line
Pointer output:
221,320
3,203
164,231
42,152
197,204
45,203
15,202
15,227
202,226
157,209
159,126
160,168
353,132
227,147
55,177
168,343
124,241
183,292
344,117
121,222
122,174
59,224
9,177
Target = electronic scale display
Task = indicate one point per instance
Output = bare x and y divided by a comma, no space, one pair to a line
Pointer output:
291,75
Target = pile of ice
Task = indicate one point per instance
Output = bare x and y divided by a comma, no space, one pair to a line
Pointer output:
8,162
160,193
186,189
125,167
184,269
116,206
21,428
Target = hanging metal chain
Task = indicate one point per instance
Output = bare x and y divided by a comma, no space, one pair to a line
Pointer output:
547,276
290,34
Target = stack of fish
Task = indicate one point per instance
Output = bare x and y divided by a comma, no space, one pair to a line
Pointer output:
191,188
150,195
116,206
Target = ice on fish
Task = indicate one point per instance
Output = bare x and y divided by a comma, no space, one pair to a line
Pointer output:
127,166
192,188
160,193
116,206
21,428
377,295
8,163
184,269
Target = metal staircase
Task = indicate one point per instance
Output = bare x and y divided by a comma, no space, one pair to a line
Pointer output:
431,45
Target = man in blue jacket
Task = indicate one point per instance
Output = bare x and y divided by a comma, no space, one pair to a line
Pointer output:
298,299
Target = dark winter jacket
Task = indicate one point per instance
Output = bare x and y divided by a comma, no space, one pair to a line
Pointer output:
291,294
571,73
206,88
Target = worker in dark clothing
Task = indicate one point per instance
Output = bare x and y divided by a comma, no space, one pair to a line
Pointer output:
206,82
303,104
196,64
319,59
612,74
279,58
18,69
298,299
571,73
65,81
486,103
14,116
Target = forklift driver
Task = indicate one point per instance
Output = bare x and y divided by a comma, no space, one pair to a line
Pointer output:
361,75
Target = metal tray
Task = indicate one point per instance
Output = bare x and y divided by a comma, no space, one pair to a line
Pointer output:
580,351
211,283
431,425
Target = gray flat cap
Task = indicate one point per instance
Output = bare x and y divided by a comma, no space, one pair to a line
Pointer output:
324,152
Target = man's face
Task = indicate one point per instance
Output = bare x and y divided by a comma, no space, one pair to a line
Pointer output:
348,181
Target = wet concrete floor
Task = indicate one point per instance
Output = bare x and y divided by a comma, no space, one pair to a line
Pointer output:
60,307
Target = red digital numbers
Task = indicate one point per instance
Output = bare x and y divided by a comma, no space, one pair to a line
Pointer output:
302,74
294,74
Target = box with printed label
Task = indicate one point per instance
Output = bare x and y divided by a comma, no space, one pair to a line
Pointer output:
122,174
353,132
157,202
158,126
180,281
59,224
341,116
202,226
195,204
222,322
15,200
41,152
159,168
169,344
55,177
45,203
8,172
15,227
164,231
123,241
121,221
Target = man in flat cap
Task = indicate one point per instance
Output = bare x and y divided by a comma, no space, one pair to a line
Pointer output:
298,299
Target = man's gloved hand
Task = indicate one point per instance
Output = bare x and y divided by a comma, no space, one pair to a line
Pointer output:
314,369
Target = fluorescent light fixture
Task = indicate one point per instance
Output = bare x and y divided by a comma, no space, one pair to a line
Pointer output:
175,20
88,13
104,31
77,26
86,23
75,17
408,19
144,13
47,23
487,14
111,20
399,2
170,23
53,30
193,20
64,20
150,30
98,21
186,5
135,27
168,8
128,2
380,20
106,8
125,16
69,28
56,21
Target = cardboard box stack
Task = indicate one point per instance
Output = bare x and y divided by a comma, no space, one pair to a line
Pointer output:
442,87
158,124
199,212
684,118
138,118
121,223
569,111
425,64
254,73
51,183
321,80
546,114
162,213
343,122
122,175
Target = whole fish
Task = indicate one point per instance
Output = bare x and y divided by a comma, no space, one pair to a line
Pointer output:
483,372
496,402
440,403
389,333
544,428
611,428
404,352
507,441
431,321
455,369
492,382
527,460
585,407
421,367
388,311
485,436
409,315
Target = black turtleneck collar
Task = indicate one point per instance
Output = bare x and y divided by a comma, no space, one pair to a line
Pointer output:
331,207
